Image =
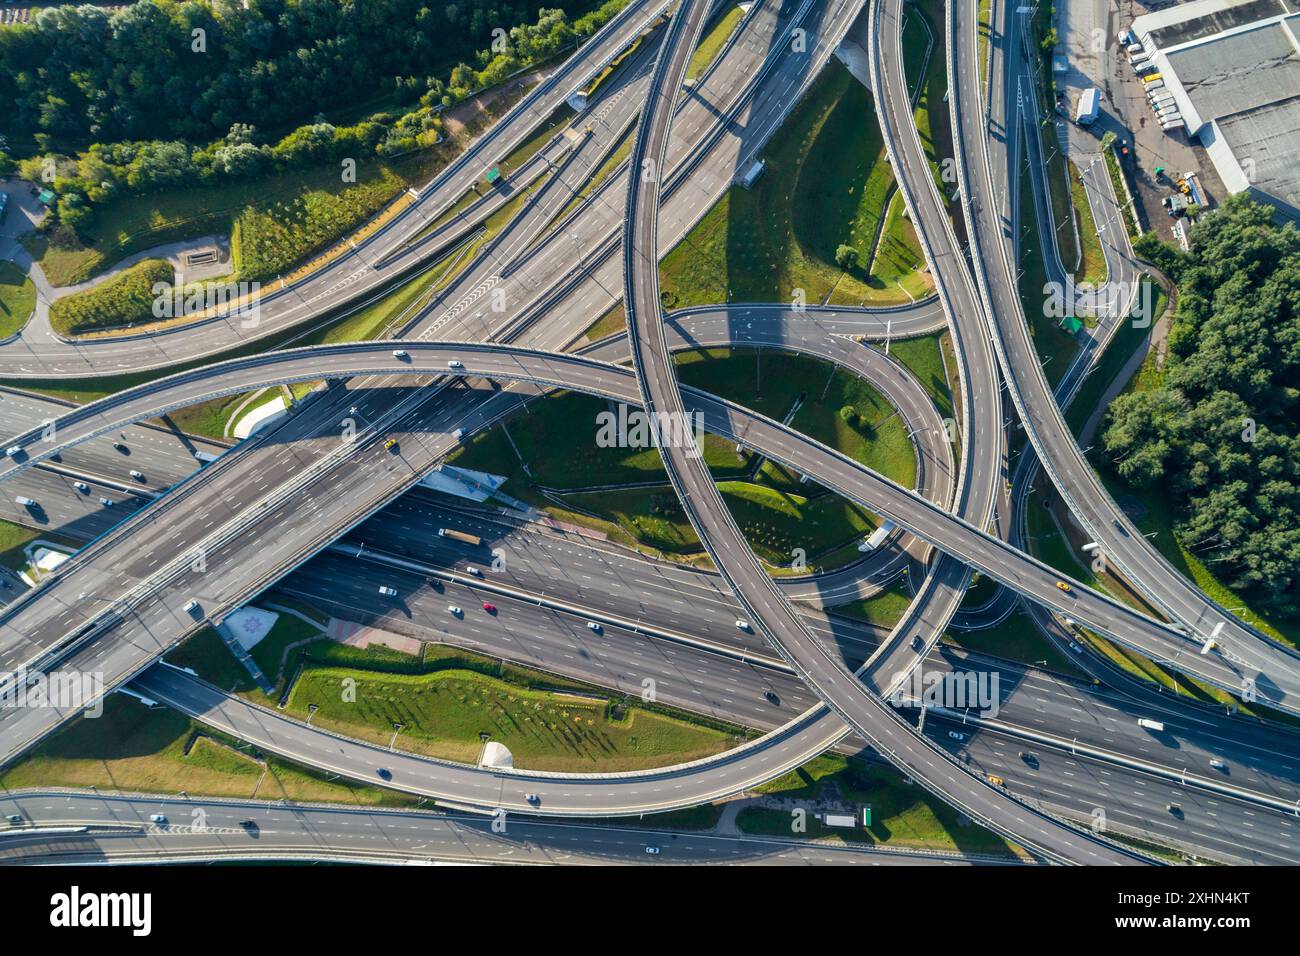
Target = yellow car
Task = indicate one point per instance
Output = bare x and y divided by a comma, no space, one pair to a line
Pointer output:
996,780
390,444
1063,586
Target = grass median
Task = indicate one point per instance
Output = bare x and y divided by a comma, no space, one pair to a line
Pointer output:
826,185
624,491
17,299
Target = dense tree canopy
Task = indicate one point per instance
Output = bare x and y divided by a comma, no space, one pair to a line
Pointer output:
77,75
1221,435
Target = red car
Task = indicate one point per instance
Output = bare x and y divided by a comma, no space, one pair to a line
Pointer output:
490,608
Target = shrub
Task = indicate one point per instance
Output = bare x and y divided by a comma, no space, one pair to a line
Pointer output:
124,300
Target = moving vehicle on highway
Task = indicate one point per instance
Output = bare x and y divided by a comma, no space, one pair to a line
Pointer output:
463,536
877,537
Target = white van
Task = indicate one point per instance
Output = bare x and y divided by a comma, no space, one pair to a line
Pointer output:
24,501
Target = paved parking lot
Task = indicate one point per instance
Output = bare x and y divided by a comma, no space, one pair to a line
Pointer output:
1088,31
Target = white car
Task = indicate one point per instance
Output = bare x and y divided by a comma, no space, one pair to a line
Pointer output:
653,850
743,625
137,475
595,626
474,571
400,354
157,818
82,487
385,590
106,502
455,363
956,736
454,611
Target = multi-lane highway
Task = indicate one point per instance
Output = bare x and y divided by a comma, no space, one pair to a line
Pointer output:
822,670
850,479
92,828
1262,668
242,523
373,262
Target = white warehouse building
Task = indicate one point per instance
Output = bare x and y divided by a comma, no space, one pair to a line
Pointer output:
1233,68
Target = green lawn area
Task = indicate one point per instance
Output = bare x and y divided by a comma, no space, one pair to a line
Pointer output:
14,537
771,384
615,320
774,521
776,510
1015,639
932,120
1054,345
1061,178
17,299
884,610
985,21
444,713
902,813
134,748
826,184
134,223
126,299
1092,265
210,418
575,460
269,651
714,39
367,323
928,358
